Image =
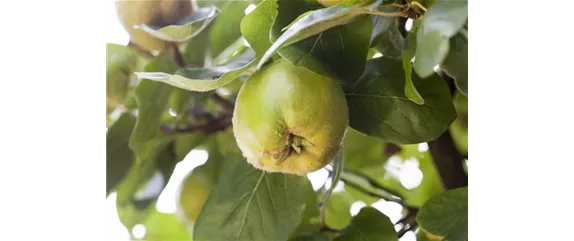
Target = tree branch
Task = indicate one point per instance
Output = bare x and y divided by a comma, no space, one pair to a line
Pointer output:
390,149
227,106
374,183
448,161
215,125
408,227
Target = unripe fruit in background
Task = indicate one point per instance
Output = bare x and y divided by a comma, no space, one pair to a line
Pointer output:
151,12
289,119
192,195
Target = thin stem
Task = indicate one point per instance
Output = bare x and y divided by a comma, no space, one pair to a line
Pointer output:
418,5
338,165
373,183
382,194
409,222
227,106
407,228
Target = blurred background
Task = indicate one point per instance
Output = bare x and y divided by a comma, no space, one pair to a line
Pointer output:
405,171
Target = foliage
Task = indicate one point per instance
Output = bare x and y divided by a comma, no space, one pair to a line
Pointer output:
164,104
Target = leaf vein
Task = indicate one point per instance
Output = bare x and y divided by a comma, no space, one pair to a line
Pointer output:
311,50
247,205
377,118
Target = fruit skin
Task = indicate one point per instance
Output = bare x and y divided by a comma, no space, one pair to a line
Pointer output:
286,110
192,195
153,12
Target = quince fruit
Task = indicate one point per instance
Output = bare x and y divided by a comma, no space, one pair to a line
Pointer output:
290,119
193,194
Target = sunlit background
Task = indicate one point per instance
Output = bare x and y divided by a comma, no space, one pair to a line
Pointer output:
407,172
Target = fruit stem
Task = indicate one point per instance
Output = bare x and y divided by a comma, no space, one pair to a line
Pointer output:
294,143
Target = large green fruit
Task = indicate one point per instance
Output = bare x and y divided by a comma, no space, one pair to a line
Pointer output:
151,12
192,195
289,119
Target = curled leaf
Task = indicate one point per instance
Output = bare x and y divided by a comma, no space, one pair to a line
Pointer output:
184,29
206,79
315,22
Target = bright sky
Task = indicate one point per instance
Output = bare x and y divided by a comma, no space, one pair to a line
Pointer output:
407,172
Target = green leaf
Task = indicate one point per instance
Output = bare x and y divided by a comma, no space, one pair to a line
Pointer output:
409,51
442,21
132,209
195,50
386,37
370,224
217,157
288,13
185,29
256,26
378,106
235,49
337,214
460,233
362,151
314,23
343,49
166,162
310,222
119,156
446,214
178,105
226,142
312,237
206,79
226,27
186,142
120,63
152,98
249,204
141,172
163,226
456,62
